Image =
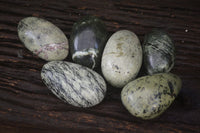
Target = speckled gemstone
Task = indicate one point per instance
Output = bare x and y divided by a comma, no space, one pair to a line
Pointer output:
159,52
87,41
43,38
149,96
122,58
73,83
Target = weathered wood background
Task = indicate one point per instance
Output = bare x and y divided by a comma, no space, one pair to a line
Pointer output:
26,105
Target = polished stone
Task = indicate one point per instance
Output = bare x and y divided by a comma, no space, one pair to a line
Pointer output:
159,52
73,83
122,58
149,96
43,38
87,41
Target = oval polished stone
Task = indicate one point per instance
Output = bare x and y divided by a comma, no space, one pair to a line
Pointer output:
159,52
43,38
87,41
122,58
149,96
73,83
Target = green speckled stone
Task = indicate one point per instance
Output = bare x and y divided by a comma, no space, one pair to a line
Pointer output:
149,96
159,52
87,41
43,38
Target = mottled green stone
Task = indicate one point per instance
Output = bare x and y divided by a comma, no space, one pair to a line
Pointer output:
158,52
149,96
87,41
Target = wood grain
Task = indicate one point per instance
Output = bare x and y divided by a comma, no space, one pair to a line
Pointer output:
26,105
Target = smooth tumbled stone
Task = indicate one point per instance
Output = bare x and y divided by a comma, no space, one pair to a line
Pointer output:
159,52
122,58
43,38
149,96
73,83
87,41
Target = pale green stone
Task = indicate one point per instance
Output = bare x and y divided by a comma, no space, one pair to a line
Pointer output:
43,38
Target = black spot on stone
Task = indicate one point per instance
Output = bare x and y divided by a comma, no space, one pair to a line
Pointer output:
159,109
138,88
165,92
38,37
151,98
142,89
139,97
22,26
153,109
23,37
171,87
158,95
144,111
116,67
117,71
147,44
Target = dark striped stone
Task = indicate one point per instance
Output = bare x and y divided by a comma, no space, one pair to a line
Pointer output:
159,52
73,83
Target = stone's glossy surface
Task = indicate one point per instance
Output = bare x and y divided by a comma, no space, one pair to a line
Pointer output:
159,52
122,58
73,83
149,96
87,41
43,38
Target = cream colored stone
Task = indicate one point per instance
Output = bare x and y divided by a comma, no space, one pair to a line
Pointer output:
122,58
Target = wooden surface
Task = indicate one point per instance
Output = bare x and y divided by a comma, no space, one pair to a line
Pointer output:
26,105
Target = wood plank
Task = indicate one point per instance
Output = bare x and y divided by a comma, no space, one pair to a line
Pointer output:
26,105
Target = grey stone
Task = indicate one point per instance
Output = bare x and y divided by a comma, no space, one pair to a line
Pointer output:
73,83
